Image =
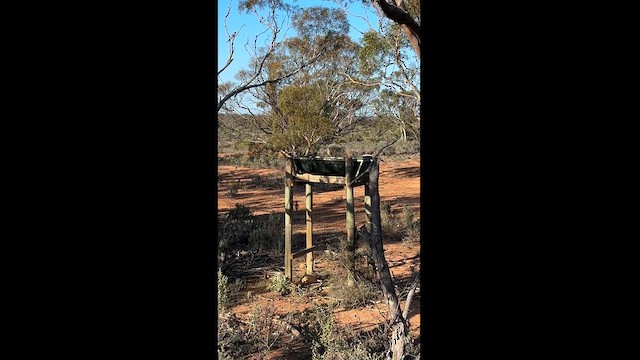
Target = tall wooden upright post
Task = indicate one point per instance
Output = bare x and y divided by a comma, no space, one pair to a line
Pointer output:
288,213
367,207
350,220
309,207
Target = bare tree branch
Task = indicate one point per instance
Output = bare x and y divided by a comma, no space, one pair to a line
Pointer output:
384,147
358,82
248,84
412,291
231,40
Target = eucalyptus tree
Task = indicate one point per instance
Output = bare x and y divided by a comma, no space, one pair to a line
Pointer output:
320,104
404,14
387,59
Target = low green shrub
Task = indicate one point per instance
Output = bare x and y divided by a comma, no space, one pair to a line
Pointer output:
281,284
263,330
223,292
359,294
261,333
268,234
411,227
240,212
329,344
391,225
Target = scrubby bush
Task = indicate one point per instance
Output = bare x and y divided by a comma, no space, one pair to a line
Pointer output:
241,229
258,161
281,284
411,227
240,212
232,191
412,235
230,337
329,344
268,234
223,292
256,180
261,333
235,227
399,226
263,327
391,226
359,294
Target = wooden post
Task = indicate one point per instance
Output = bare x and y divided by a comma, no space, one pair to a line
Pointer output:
288,213
367,207
309,207
350,219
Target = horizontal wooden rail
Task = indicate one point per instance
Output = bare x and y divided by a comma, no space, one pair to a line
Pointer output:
303,252
326,179
309,178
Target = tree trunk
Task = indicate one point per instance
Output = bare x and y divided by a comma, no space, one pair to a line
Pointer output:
414,40
374,241
411,29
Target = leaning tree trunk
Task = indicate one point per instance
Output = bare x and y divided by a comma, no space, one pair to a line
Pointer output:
409,26
399,331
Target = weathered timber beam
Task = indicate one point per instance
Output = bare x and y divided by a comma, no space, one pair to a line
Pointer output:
309,220
288,214
303,252
326,179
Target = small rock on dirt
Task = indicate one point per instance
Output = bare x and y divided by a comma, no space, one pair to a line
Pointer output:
308,279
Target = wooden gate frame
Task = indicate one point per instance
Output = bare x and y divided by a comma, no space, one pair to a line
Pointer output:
349,180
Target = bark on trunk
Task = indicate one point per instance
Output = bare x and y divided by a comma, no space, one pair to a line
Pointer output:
376,250
414,40
409,26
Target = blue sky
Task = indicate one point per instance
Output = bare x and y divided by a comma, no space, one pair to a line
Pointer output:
252,27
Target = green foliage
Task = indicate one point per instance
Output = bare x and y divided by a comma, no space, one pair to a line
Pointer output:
223,292
261,333
390,224
241,229
234,228
360,294
326,323
233,189
413,8
319,20
399,226
407,217
240,212
250,5
281,284
371,52
229,336
305,120
411,227
328,100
